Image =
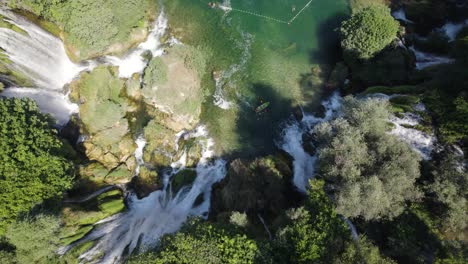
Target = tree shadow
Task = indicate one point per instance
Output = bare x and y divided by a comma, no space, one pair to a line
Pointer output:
258,130
328,51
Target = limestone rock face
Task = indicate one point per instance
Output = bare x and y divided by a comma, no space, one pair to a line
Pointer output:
172,85
102,113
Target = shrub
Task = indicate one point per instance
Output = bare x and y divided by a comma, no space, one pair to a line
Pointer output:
32,167
368,31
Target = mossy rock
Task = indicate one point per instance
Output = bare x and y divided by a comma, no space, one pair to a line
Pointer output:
146,182
161,144
402,89
121,173
8,25
183,178
405,99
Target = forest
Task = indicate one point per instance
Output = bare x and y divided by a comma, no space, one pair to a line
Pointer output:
136,147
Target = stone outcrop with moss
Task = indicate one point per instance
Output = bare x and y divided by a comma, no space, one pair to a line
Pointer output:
103,110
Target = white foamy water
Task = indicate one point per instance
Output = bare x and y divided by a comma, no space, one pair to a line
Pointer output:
452,29
401,15
134,62
148,219
419,141
37,54
141,143
303,162
54,103
424,59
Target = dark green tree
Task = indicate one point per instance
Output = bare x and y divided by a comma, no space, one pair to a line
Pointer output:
201,243
368,31
315,230
32,169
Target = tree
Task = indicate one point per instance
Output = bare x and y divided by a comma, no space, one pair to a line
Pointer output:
32,169
450,188
34,239
368,31
199,243
314,231
360,252
371,174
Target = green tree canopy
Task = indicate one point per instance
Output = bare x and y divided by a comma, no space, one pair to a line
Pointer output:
371,173
368,31
31,166
362,251
35,239
314,230
201,243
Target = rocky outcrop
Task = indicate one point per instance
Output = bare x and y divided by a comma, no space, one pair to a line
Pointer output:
103,112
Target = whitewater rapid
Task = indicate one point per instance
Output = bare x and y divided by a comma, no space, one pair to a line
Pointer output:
42,58
162,212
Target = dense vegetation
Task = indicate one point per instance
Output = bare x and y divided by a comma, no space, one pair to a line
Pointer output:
33,167
92,27
368,31
405,210
372,172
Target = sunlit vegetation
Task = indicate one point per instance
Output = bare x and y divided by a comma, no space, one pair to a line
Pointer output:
368,31
33,168
91,27
372,174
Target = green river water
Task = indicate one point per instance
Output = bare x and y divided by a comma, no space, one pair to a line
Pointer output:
263,60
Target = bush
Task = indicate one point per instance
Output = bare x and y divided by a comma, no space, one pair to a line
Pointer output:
372,173
35,239
32,167
368,31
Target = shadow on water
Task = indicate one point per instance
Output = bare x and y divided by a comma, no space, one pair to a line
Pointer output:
257,131
328,50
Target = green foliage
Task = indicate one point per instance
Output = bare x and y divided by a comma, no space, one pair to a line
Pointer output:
200,243
362,251
372,173
368,31
450,188
403,89
314,231
91,26
35,239
156,72
253,187
32,167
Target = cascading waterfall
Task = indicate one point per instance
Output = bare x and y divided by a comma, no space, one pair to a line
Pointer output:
424,59
452,29
141,143
303,162
37,54
401,15
42,58
148,219
50,102
134,62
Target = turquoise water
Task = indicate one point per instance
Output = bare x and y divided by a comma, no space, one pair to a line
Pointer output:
270,60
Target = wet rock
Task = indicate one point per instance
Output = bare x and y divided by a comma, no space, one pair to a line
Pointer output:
146,182
183,178
161,144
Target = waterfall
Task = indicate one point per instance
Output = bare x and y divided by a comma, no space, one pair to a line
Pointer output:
424,59
141,143
291,142
452,29
54,103
134,62
419,141
401,15
148,219
37,54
